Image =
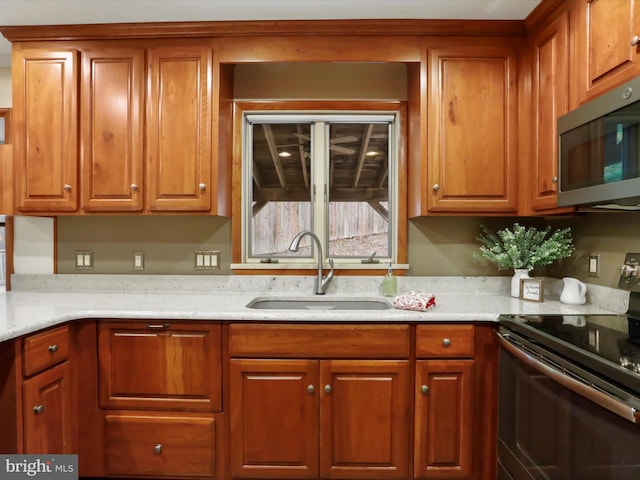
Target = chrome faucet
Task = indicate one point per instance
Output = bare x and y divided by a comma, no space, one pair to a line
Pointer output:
321,282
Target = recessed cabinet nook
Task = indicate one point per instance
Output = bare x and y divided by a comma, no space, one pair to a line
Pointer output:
248,400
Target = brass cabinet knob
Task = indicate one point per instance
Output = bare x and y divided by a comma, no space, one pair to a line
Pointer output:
202,187
446,342
311,389
424,389
38,409
53,348
554,180
67,187
436,187
134,187
158,448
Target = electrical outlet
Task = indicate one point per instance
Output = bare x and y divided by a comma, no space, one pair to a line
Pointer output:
138,261
84,259
207,260
594,264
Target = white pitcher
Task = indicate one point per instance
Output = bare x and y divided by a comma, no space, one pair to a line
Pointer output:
574,291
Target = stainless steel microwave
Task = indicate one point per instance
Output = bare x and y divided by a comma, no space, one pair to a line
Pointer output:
599,151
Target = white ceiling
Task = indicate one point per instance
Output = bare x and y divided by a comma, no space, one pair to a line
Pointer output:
65,12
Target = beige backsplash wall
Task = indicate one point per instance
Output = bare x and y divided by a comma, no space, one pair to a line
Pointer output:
438,246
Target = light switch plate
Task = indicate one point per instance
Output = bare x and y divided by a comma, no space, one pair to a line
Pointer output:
594,264
138,261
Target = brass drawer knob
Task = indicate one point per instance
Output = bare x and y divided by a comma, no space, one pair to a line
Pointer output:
446,342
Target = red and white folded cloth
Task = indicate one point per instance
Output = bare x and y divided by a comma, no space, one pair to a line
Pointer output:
418,301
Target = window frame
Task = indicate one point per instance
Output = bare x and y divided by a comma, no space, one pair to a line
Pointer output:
398,189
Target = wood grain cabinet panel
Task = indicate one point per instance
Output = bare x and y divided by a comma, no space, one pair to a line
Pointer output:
45,349
550,86
445,341
471,129
112,114
605,56
364,419
274,418
48,412
444,420
45,124
158,446
179,128
160,365
333,418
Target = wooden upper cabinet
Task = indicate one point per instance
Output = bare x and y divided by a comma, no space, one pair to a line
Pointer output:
605,56
45,121
179,128
470,142
112,115
550,99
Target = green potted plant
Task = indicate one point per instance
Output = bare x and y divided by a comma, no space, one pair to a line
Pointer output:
522,248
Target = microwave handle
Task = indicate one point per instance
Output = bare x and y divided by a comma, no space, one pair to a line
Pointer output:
596,396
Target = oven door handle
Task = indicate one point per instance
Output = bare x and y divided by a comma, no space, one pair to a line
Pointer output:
596,396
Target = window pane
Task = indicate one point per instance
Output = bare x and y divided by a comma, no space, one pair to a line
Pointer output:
359,190
281,195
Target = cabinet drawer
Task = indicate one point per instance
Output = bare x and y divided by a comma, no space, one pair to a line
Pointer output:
445,341
160,446
319,341
45,349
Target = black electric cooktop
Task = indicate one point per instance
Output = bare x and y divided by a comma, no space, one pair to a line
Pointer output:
607,345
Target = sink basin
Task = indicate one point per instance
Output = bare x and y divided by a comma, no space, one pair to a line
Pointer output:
318,304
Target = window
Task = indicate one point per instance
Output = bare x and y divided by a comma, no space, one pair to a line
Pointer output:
332,173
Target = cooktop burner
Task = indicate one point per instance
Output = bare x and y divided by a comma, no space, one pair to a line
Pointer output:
608,345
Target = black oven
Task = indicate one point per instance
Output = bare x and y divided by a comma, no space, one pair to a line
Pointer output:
569,398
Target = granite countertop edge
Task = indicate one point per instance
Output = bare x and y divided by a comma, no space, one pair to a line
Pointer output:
25,311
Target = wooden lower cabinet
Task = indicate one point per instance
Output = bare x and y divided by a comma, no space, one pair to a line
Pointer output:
48,412
319,418
444,429
160,445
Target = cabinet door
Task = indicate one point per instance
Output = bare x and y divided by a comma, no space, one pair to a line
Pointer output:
606,56
45,129
179,128
471,144
364,419
48,412
274,418
160,365
550,100
443,446
112,112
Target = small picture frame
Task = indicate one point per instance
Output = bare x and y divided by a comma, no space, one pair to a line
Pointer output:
531,289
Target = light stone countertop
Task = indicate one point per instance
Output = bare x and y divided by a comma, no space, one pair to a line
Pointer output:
40,301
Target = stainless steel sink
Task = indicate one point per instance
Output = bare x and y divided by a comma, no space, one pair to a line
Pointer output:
318,304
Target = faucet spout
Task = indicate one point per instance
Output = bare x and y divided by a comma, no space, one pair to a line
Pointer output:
321,282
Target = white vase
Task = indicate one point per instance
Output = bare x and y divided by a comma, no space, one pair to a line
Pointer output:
518,273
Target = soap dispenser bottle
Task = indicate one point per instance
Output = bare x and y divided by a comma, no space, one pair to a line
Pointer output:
389,284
